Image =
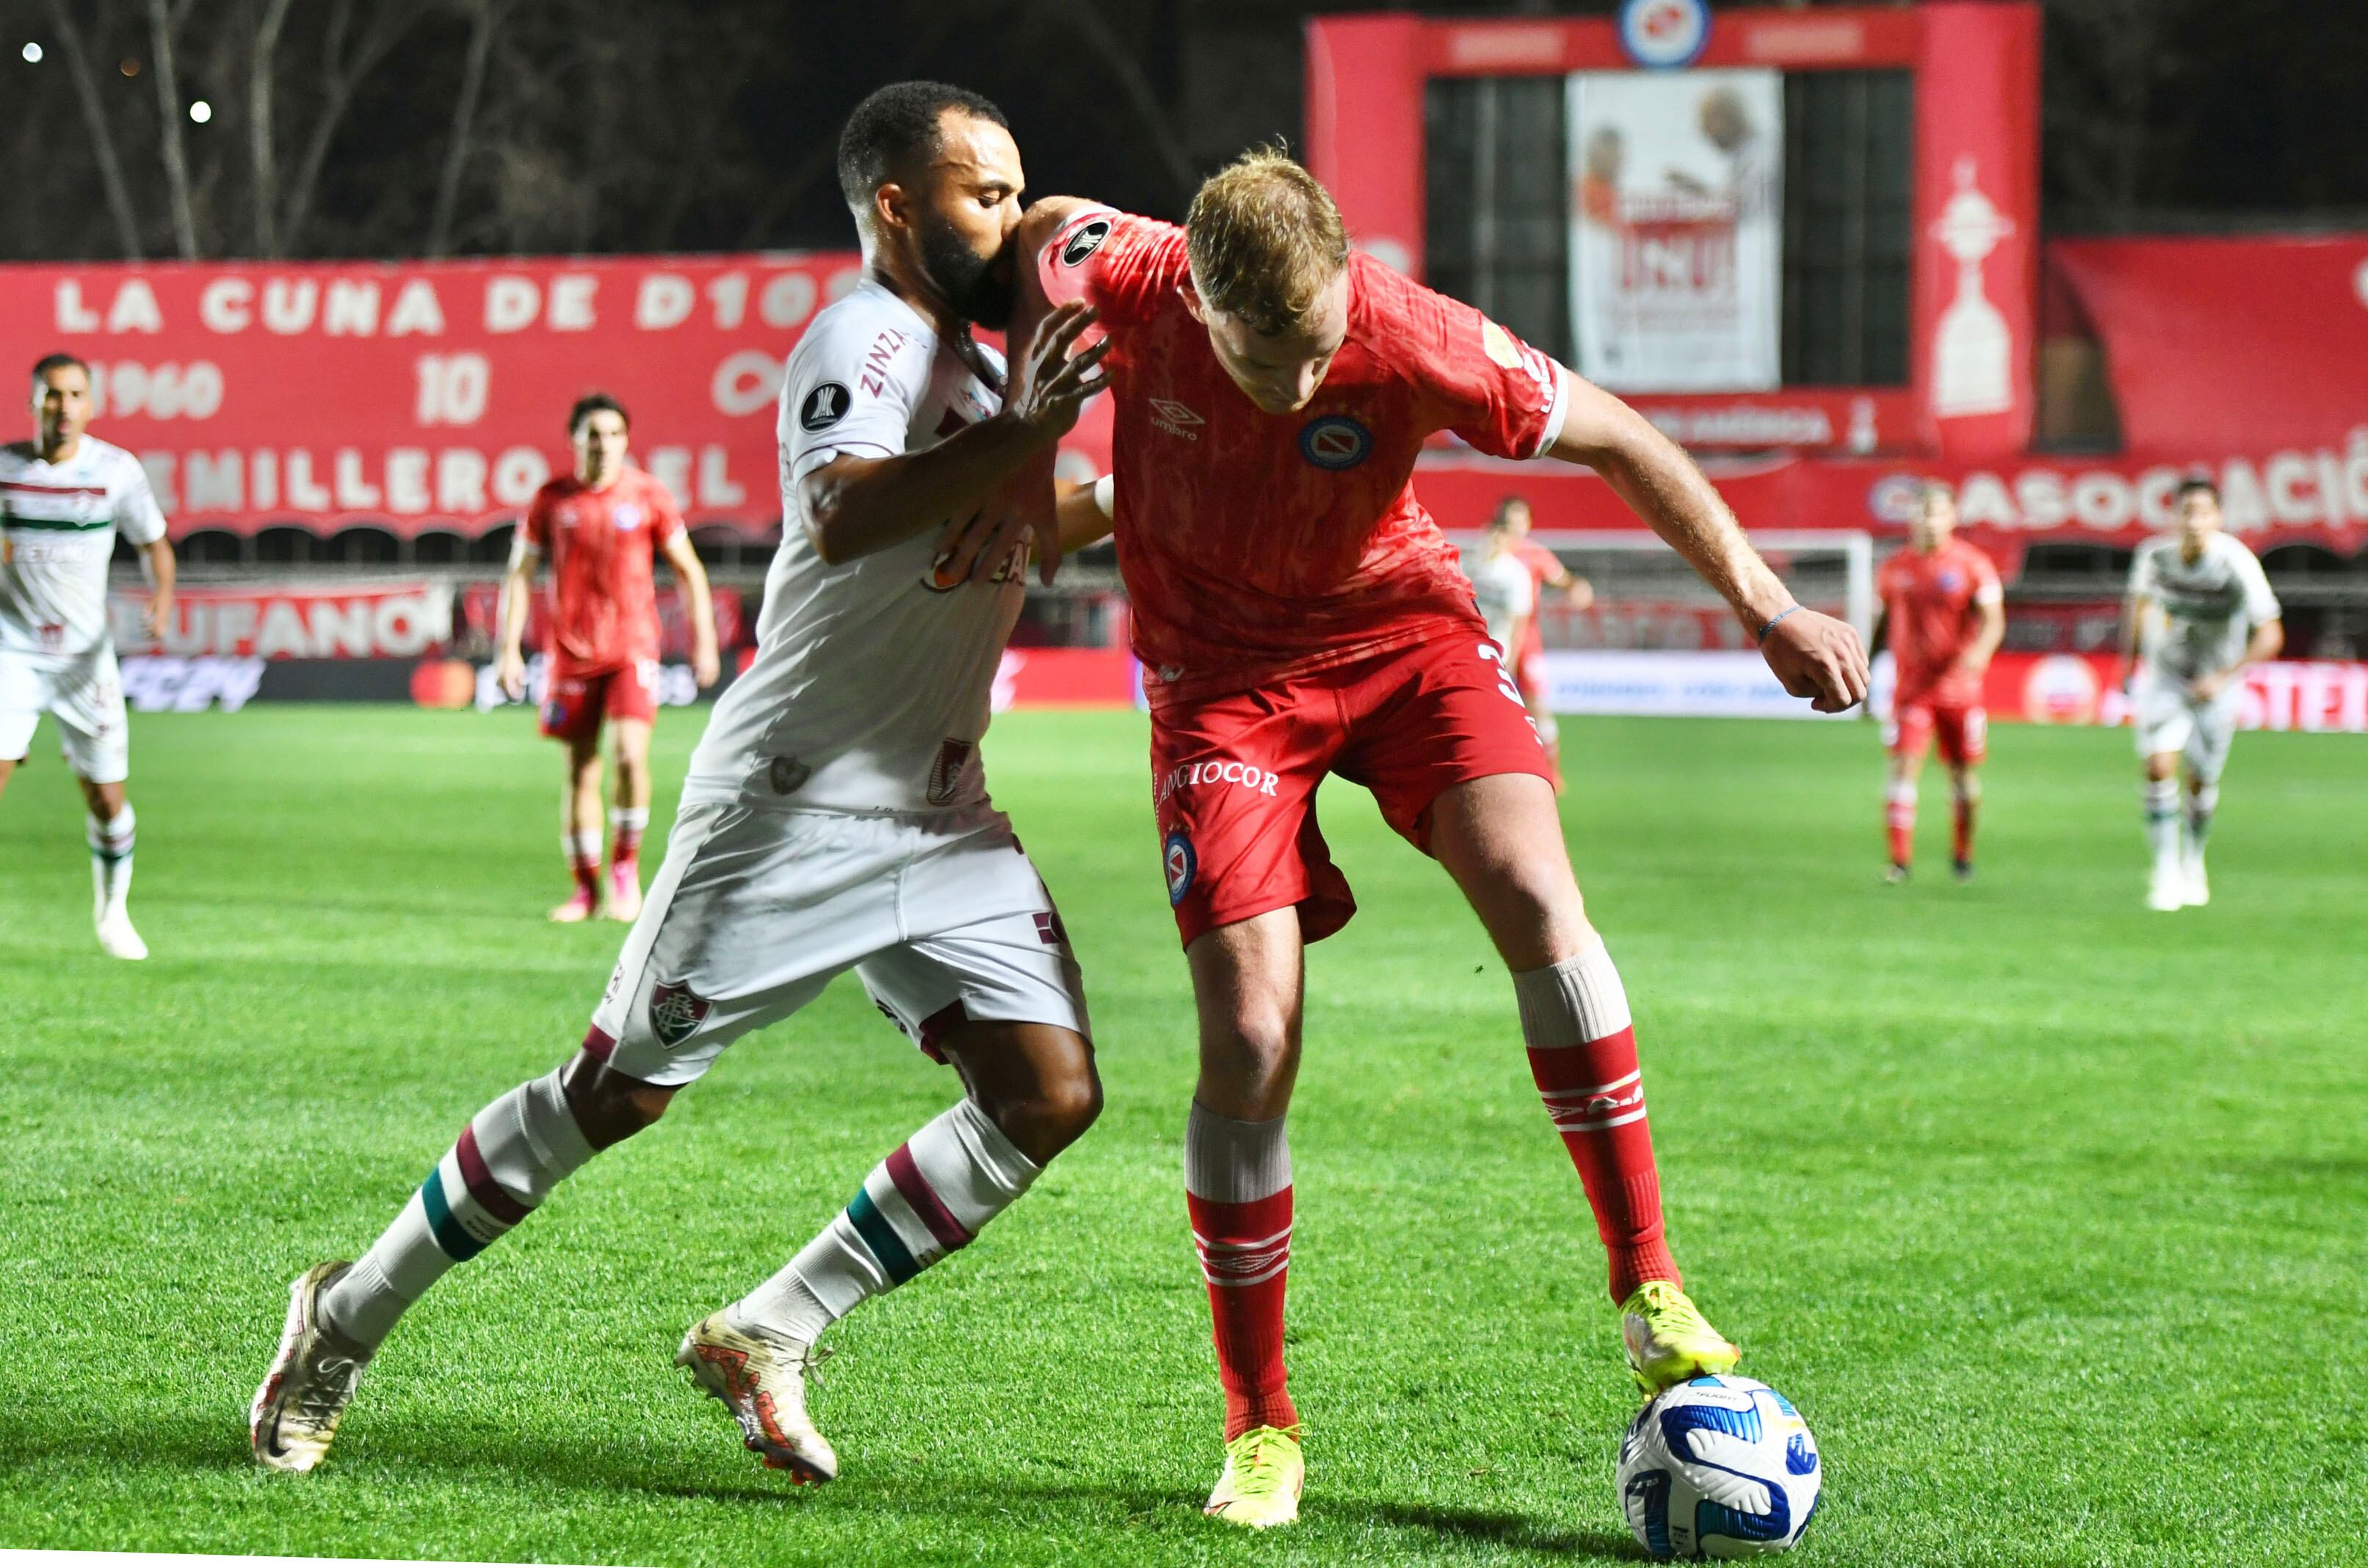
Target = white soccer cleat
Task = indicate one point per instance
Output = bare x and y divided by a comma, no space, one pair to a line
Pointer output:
312,1380
2166,889
2197,889
117,937
762,1381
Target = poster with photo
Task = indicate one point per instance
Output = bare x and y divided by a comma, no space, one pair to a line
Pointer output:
1677,228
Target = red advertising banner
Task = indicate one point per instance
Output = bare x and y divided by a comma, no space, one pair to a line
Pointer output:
1976,226
381,621
2269,334
480,618
2077,689
419,394
2294,495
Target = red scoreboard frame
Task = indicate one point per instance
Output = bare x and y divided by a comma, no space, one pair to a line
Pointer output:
1975,69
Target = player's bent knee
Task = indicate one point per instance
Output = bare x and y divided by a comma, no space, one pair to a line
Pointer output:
609,1107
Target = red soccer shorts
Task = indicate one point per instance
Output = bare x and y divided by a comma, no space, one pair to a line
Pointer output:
575,704
1963,731
1235,776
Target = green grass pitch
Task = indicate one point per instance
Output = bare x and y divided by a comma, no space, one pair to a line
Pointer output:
2049,1213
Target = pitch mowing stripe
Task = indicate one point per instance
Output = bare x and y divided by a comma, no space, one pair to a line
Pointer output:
457,1243
880,1237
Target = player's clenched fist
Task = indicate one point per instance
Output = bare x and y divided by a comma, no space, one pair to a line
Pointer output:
1818,657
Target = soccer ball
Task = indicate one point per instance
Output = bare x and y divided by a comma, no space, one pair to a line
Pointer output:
1718,1467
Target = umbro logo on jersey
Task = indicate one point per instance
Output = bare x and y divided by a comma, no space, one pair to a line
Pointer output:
1172,417
824,407
1084,241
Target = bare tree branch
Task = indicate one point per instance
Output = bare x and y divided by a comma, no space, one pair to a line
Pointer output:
484,23
169,129
262,153
387,24
1136,88
94,118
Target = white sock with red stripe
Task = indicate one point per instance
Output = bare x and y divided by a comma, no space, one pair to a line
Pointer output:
627,823
583,850
505,1162
1237,1189
925,1200
1583,1055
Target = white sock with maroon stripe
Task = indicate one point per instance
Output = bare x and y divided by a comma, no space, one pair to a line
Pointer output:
925,1200
505,1162
110,859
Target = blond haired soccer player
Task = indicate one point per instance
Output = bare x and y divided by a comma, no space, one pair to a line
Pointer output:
603,527
2200,609
64,496
1943,615
836,817
1297,613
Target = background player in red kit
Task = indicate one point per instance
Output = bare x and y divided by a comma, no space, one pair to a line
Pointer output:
603,527
1944,615
1298,613
1547,571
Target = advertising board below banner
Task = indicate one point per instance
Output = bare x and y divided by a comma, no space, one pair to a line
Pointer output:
366,620
2312,695
1701,685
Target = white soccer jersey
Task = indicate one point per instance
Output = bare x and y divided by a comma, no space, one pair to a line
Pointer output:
871,683
1502,587
58,523
2202,613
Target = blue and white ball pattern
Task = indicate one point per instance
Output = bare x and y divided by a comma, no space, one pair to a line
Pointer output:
1718,1467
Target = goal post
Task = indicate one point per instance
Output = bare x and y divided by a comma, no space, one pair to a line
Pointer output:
1648,598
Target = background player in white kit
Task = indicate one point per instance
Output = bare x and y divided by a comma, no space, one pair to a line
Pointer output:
2199,610
63,497
835,818
1502,587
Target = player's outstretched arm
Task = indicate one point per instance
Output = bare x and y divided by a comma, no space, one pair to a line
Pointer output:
853,506
1815,656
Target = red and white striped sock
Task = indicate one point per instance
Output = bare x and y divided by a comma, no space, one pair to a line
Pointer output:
583,851
1967,802
1237,1189
1583,1055
926,1199
626,823
1899,817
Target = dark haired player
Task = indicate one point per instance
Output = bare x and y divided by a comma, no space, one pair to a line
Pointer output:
1944,616
603,527
2199,610
836,817
65,496
1298,613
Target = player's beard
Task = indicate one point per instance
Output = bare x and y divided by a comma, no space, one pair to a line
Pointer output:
977,287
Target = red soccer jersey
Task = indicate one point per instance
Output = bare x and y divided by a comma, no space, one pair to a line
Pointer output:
602,545
1931,601
1256,546
1544,567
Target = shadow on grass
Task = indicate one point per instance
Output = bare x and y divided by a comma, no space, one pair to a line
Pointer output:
201,1448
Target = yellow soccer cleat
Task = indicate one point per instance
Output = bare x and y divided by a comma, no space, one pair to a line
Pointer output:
1668,1340
1264,1473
